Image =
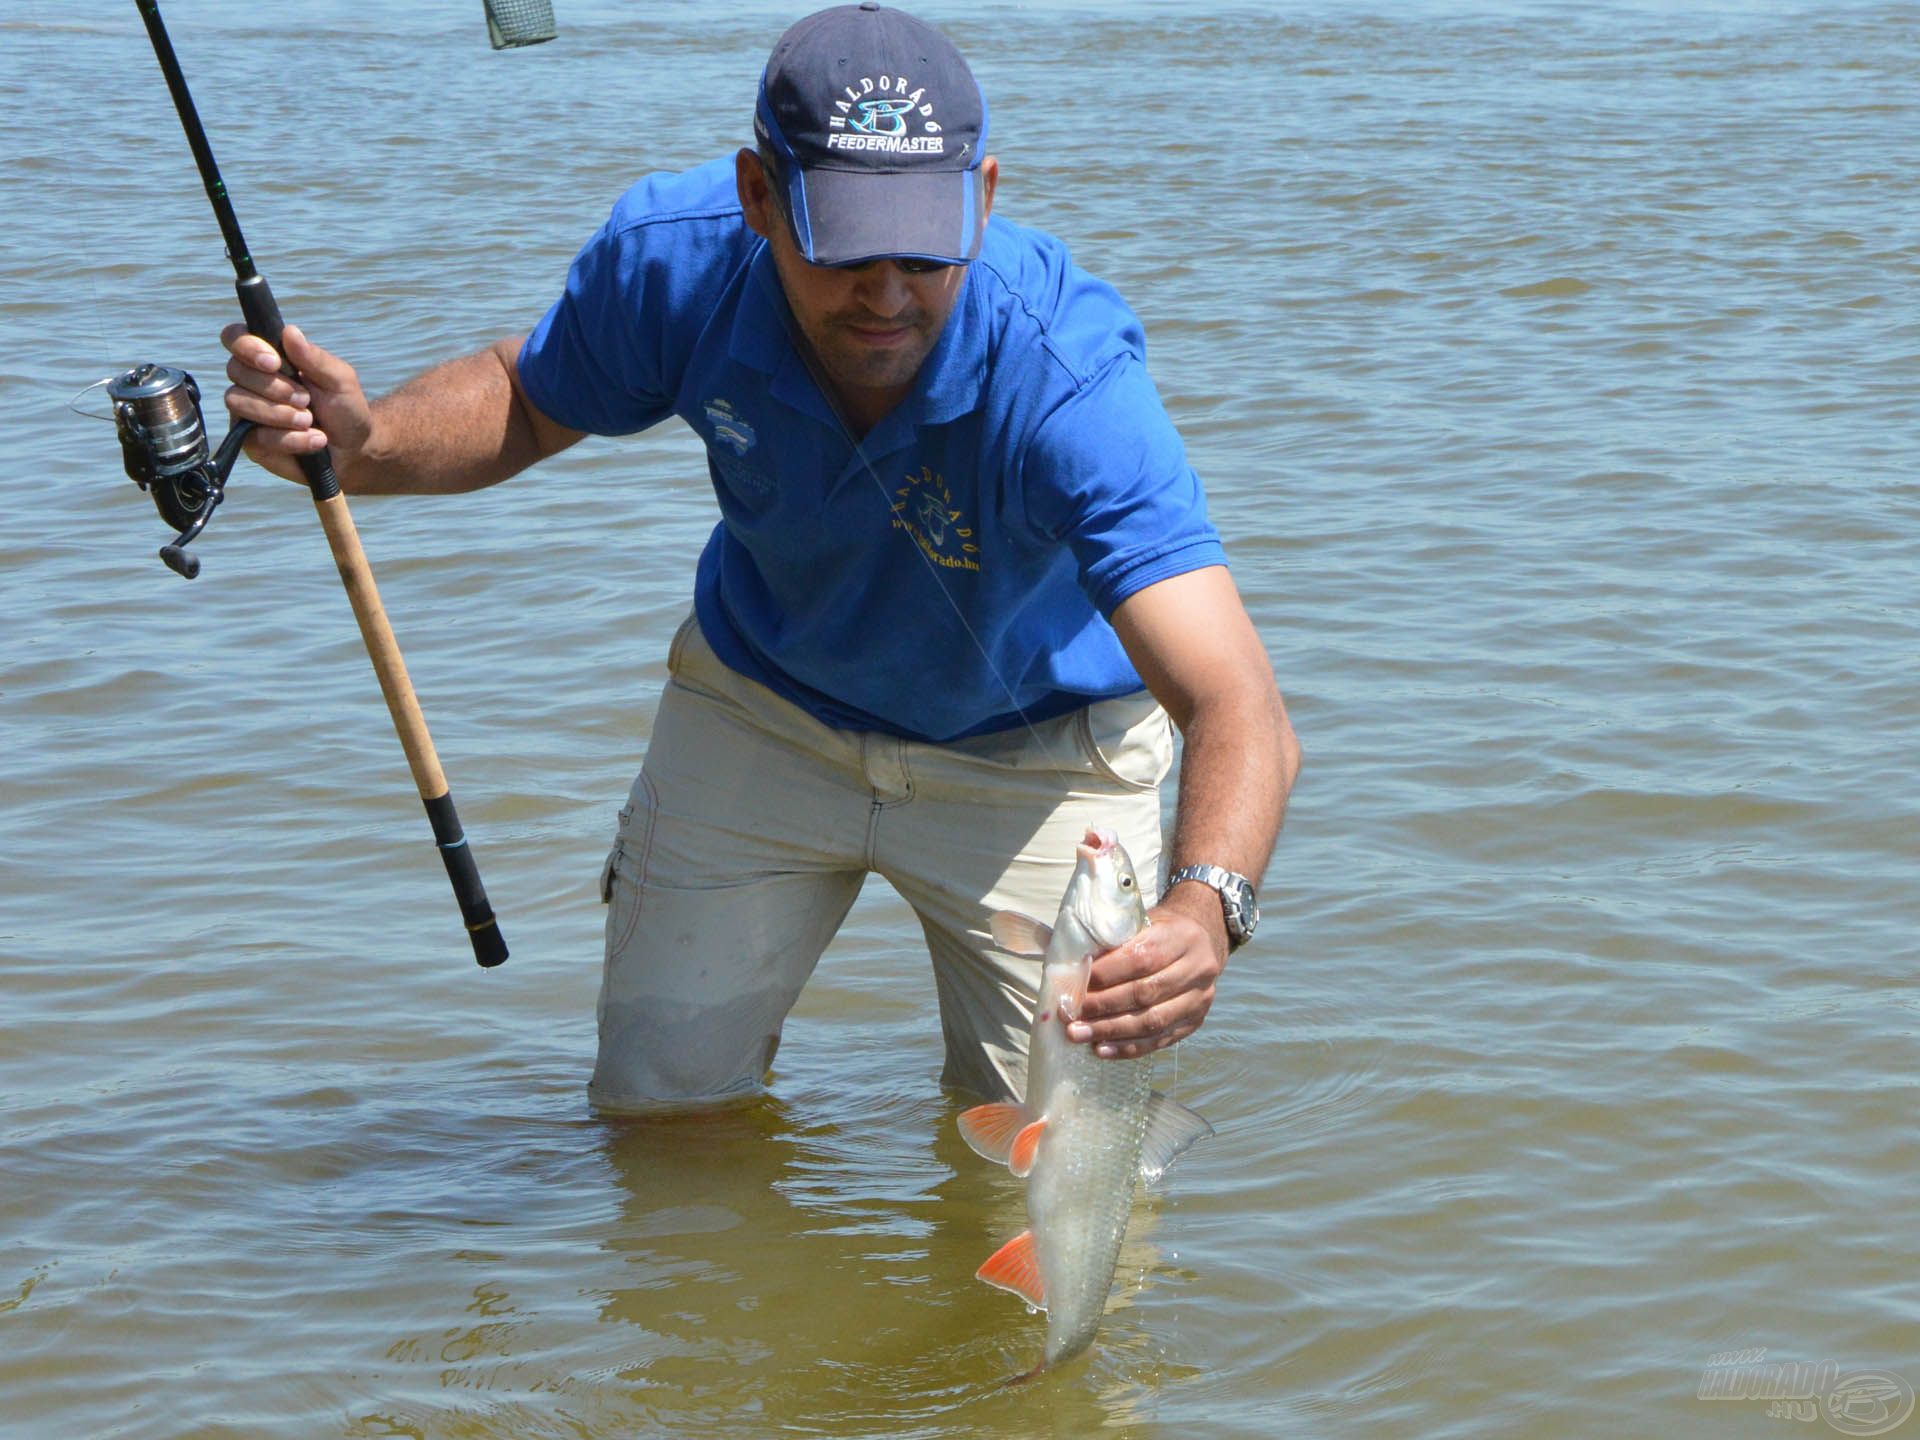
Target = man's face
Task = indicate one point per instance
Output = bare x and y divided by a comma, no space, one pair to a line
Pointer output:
871,325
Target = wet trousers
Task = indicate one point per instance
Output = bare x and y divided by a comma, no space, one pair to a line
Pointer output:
751,828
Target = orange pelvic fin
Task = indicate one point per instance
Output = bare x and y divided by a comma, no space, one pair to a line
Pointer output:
991,1129
1073,993
1015,1266
1025,1145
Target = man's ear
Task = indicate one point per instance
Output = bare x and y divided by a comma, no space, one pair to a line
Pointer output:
756,196
989,177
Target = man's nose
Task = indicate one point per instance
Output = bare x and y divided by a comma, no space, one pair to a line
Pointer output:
883,288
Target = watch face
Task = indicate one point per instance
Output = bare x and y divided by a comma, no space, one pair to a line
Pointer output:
1236,898
1244,913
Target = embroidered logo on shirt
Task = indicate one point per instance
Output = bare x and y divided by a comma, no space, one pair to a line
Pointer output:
923,507
873,116
729,428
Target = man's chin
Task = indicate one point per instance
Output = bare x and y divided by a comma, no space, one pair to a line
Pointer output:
871,371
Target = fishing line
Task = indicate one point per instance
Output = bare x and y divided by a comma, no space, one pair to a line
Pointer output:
821,383
163,442
94,312
815,370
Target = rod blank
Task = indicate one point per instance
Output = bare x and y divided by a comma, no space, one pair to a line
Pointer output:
263,319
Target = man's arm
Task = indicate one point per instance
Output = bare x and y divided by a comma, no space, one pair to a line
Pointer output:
460,426
1191,641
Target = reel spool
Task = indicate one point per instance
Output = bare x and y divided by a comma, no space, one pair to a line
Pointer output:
163,442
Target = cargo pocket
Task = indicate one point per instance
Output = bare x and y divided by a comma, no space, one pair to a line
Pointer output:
625,872
1127,740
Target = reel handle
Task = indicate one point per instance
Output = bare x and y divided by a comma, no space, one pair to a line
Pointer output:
264,319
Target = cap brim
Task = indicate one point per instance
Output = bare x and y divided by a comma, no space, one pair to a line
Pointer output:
844,216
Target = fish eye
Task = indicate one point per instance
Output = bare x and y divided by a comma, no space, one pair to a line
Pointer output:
1126,882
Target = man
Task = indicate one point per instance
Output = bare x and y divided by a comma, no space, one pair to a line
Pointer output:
958,535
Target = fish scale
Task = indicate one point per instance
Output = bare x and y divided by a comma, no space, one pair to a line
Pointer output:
1081,1189
1088,1127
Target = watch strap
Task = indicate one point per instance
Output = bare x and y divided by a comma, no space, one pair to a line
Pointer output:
1241,915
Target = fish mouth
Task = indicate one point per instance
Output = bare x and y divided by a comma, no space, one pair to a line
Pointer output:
1096,843
1104,891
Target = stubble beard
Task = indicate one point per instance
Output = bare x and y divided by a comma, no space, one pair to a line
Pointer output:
850,362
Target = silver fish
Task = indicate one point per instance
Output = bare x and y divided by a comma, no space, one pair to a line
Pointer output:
1088,1127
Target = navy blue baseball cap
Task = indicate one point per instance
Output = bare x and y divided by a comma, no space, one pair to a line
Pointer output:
878,130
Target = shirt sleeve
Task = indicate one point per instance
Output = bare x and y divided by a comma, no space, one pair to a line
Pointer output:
595,361
1106,474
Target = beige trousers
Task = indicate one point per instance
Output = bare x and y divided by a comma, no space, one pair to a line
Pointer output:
748,835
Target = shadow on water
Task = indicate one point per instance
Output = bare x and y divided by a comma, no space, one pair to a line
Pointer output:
1545,368
777,1266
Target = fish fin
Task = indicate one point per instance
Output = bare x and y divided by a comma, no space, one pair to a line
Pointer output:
1171,1128
1074,995
1019,934
1016,1267
1025,1144
990,1129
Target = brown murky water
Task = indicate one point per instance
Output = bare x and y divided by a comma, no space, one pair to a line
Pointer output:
1553,369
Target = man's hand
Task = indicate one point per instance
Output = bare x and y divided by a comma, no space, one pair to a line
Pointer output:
325,406
1191,641
1157,987
463,424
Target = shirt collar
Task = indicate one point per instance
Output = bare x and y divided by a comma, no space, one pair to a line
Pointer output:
949,385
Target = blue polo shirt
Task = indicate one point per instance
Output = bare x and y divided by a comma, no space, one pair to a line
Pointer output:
960,575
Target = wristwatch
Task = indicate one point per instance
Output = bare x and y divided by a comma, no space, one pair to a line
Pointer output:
1236,898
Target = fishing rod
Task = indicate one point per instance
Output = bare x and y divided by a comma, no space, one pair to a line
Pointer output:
163,442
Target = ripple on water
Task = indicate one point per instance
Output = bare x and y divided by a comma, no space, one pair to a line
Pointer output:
1544,368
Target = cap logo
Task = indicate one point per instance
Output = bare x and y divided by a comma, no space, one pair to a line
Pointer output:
882,117
869,121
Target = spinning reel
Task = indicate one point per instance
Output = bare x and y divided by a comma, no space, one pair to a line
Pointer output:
163,441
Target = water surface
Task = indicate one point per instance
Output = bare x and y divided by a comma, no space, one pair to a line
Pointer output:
1553,371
